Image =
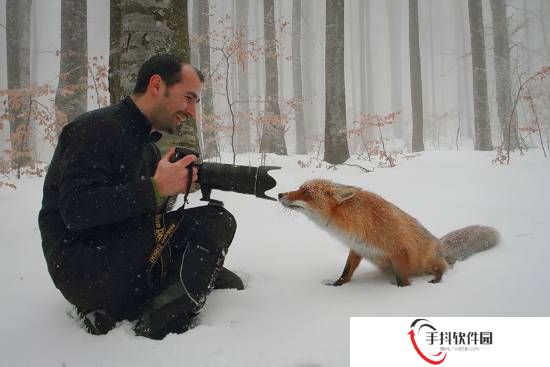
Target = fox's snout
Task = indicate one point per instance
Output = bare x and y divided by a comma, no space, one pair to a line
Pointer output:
291,200
284,198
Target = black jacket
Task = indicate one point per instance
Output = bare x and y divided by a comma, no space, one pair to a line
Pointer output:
97,181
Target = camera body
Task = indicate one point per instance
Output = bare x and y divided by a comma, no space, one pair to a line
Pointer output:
228,177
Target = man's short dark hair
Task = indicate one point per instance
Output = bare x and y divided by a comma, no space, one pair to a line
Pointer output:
167,66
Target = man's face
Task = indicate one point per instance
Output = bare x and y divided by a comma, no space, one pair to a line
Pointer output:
178,102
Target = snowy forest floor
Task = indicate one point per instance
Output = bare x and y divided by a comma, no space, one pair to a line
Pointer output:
286,316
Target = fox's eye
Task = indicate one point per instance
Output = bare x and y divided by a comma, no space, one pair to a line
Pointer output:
307,194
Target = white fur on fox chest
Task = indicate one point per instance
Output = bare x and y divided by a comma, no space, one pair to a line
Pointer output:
357,245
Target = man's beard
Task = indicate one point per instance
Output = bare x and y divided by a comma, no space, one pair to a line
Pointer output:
161,121
168,129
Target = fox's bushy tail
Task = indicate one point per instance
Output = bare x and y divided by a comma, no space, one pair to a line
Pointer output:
464,242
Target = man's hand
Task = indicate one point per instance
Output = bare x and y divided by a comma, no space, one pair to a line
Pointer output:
171,178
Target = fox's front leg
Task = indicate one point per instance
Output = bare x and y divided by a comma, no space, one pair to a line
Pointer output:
351,264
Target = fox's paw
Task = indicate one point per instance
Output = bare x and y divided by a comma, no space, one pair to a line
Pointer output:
402,282
335,283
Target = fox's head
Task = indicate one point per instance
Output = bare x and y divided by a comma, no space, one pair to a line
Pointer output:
317,197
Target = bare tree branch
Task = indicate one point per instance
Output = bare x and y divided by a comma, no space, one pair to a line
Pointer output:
366,170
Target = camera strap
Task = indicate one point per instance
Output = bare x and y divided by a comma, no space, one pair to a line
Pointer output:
189,180
164,233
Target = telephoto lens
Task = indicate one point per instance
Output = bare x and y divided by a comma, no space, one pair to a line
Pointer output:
229,177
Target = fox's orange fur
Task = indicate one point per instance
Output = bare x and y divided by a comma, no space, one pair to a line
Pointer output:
375,229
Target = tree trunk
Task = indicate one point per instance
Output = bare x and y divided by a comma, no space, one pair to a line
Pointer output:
460,75
363,45
243,133
433,73
115,47
464,100
194,47
257,70
301,147
394,29
336,144
309,90
233,78
18,29
482,128
366,76
502,74
149,28
273,134
416,79
543,24
71,98
208,124
193,26
526,19
369,107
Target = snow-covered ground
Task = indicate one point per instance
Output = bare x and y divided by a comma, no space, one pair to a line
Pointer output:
286,316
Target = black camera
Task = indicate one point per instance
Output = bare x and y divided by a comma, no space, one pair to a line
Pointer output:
229,177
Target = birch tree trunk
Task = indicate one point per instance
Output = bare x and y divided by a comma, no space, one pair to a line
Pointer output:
482,127
301,147
416,79
336,144
71,98
273,134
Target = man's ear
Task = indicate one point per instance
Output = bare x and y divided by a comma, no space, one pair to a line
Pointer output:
155,84
343,193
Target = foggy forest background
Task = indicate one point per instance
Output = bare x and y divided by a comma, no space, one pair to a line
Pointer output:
331,79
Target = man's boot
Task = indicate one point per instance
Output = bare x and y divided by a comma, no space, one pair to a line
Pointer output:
169,312
157,323
226,279
96,322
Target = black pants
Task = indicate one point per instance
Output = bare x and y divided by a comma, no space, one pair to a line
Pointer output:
113,272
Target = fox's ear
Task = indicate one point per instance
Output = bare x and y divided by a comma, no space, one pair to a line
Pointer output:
343,193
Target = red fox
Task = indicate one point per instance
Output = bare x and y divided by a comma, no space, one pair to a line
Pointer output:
379,231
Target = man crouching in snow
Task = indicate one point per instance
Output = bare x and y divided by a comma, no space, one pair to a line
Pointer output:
111,248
